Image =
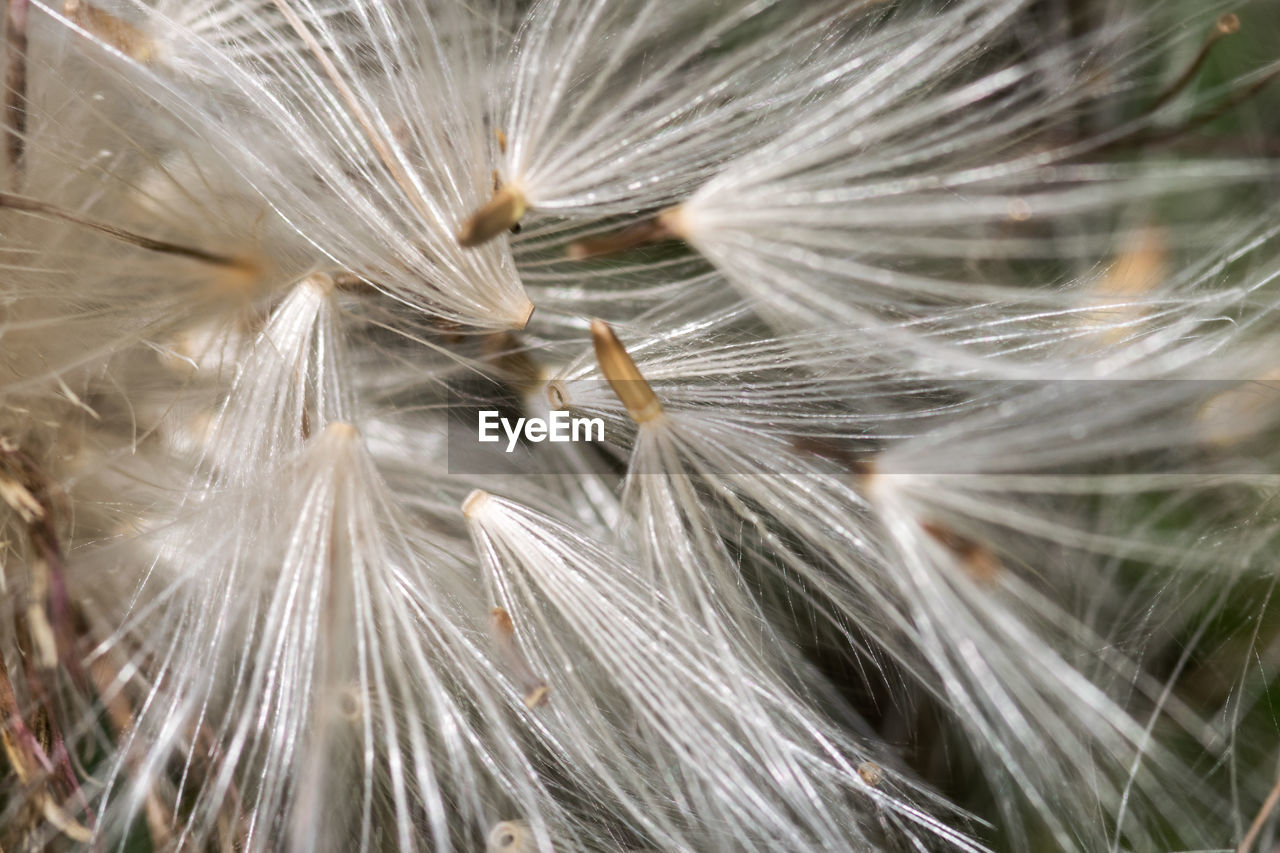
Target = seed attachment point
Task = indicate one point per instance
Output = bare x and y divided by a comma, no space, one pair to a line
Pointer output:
624,377
475,502
674,221
522,317
503,211
341,431
509,836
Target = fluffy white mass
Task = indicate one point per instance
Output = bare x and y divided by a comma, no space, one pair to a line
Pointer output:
933,343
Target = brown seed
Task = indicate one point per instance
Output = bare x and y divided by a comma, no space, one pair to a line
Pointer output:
624,377
502,211
633,236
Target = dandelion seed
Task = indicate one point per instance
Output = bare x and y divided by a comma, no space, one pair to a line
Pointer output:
839,222
595,616
502,213
623,376
373,182
612,107
640,234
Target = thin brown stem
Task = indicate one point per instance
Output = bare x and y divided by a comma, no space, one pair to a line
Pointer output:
15,91
1196,122
11,201
1255,828
1226,25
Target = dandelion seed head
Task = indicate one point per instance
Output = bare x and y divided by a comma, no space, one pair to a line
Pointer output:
932,346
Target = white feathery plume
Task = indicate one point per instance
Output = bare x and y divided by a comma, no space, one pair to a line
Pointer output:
1052,498
916,190
342,704
1026,687
118,240
612,107
349,152
299,643
288,385
604,638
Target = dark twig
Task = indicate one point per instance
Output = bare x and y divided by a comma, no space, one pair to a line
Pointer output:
15,88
